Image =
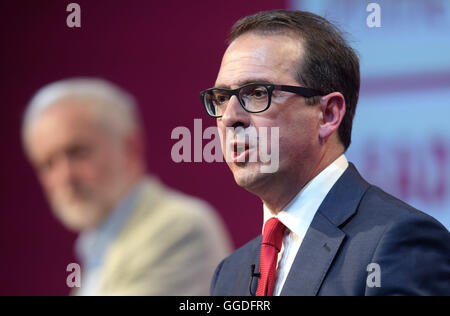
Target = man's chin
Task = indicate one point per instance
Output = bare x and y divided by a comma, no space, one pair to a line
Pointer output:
248,176
78,219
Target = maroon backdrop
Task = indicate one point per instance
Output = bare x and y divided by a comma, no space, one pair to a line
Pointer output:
163,52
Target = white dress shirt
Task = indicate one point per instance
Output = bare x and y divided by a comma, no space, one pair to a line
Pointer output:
299,213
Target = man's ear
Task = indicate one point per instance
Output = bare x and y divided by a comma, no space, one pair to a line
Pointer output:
332,108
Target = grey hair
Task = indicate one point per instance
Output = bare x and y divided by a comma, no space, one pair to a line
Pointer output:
110,104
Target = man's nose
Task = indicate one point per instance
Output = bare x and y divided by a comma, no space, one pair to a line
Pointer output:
235,115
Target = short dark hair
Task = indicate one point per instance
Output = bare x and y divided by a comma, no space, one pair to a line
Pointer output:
329,64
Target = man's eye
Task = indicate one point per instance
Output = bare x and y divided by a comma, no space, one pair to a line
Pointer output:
259,93
220,99
78,152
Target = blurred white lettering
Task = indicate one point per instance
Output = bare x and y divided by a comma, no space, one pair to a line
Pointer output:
74,278
74,18
374,278
374,18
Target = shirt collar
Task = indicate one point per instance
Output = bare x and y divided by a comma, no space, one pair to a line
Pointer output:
298,214
91,245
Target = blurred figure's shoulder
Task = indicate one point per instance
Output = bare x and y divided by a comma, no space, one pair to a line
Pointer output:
163,210
162,201
169,239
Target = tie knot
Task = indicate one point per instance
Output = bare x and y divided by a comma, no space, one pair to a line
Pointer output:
273,233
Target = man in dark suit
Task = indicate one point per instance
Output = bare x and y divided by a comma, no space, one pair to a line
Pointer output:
326,230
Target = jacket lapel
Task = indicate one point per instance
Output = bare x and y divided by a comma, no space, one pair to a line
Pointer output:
256,257
314,257
323,238
242,275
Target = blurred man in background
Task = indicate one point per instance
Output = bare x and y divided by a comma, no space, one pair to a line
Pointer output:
137,237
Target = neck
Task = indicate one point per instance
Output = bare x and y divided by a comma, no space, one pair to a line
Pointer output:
133,180
130,181
281,189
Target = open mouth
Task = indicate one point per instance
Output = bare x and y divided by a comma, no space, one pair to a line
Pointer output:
241,152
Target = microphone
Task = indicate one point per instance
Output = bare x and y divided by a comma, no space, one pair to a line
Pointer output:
252,275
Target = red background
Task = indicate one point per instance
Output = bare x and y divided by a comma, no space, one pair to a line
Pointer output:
164,53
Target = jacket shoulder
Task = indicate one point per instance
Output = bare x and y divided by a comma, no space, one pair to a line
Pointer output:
235,269
389,208
411,248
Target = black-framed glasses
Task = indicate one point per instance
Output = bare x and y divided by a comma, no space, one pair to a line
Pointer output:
254,97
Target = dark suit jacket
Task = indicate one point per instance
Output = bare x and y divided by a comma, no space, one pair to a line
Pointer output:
357,224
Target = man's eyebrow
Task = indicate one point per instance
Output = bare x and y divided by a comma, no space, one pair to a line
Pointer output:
243,82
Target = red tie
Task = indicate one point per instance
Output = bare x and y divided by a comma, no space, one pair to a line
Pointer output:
271,245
